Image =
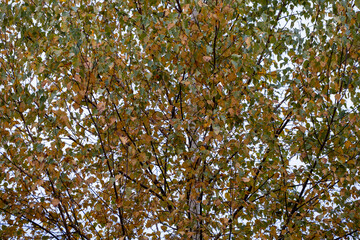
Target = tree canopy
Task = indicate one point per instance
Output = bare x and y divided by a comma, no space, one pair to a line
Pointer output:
177,119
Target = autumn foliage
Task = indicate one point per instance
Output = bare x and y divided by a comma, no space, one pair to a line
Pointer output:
156,119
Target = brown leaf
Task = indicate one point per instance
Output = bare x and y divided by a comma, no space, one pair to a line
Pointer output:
207,58
170,25
124,140
100,106
245,179
55,202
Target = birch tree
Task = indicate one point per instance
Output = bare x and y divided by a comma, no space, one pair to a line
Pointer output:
155,119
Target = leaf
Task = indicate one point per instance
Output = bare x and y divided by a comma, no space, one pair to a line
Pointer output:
245,179
124,140
55,202
248,42
170,25
101,107
207,58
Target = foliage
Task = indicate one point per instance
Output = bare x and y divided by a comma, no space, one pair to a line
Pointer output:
148,119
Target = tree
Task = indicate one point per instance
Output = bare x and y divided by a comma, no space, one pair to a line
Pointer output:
179,119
